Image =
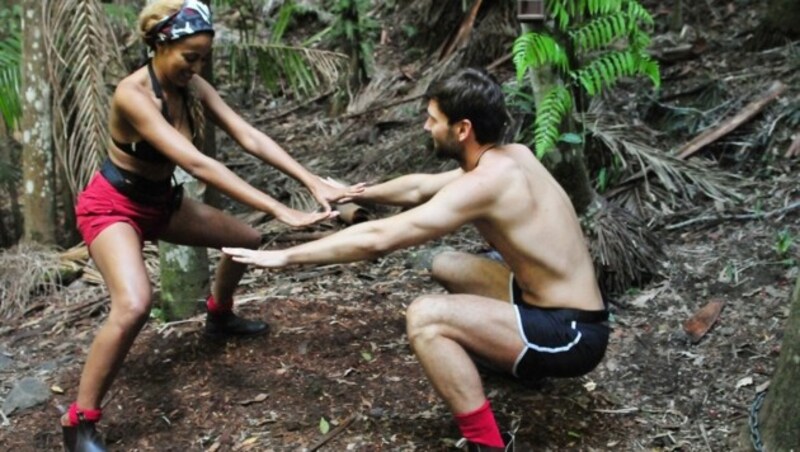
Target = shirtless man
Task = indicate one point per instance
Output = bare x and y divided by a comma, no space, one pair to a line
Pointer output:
555,324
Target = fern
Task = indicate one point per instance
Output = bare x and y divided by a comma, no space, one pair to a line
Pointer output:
638,12
555,105
559,12
604,71
10,58
535,50
601,32
591,26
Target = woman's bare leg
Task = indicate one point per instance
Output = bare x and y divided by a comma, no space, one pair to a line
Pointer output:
117,253
197,224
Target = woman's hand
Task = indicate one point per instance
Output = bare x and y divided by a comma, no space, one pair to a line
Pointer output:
268,259
296,218
328,190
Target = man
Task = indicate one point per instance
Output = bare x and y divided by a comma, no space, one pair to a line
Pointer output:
555,324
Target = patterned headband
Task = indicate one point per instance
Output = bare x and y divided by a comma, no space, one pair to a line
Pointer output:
193,17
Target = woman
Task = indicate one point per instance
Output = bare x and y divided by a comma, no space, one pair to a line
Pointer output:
154,117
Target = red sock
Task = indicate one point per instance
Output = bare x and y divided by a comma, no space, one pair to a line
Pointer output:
480,427
215,307
88,415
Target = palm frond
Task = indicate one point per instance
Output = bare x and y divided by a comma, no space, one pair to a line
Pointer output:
680,178
288,69
10,58
81,50
280,25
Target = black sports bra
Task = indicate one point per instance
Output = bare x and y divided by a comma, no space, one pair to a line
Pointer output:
143,150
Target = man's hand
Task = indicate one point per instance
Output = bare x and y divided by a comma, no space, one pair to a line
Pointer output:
296,218
268,259
329,190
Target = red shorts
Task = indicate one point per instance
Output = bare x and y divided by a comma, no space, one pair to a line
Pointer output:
100,205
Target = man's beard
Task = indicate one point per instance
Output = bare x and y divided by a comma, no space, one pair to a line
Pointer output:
448,149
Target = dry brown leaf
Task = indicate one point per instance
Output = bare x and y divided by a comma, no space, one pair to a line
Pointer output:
698,325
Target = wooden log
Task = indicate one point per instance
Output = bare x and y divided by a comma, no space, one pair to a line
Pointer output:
711,135
352,213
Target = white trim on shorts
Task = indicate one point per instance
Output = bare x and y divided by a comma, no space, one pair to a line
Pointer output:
530,345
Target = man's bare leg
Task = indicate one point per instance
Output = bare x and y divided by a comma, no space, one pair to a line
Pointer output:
444,331
467,273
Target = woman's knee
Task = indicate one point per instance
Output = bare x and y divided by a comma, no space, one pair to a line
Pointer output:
131,310
245,237
252,238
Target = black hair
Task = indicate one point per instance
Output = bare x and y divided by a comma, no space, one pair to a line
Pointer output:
472,94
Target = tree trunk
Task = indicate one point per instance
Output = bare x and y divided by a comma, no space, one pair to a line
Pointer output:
37,155
780,418
783,17
9,160
184,269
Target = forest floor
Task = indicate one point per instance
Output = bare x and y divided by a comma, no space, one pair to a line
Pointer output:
337,359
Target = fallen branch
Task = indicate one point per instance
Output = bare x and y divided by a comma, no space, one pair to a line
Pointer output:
463,31
794,148
739,217
295,108
502,60
382,106
709,136
331,434
352,213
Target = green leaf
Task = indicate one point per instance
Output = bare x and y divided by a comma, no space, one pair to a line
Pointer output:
324,426
10,63
367,356
571,138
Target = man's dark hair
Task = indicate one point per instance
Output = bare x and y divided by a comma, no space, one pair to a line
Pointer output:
475,95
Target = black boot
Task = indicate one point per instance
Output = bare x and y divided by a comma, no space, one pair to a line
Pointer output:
229,324
83,437
508,440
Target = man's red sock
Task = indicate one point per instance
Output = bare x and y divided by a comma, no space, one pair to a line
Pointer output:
480,427
88,415
214,307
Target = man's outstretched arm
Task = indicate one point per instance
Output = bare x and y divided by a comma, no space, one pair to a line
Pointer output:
458,203
409,190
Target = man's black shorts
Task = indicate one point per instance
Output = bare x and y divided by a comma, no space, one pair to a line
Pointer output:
560,342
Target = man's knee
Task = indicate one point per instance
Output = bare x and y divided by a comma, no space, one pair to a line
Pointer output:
422,316
444,267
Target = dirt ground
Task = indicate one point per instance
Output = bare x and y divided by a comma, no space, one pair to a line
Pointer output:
337,359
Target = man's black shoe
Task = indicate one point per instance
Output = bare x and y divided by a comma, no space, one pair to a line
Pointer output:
508,440
229,324
83,438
